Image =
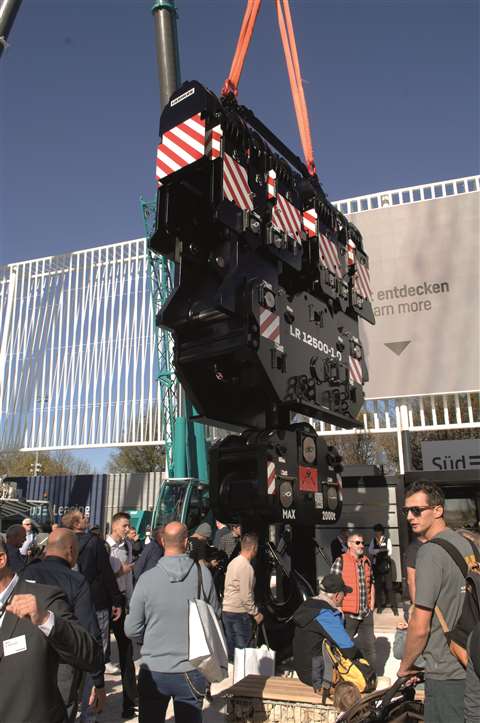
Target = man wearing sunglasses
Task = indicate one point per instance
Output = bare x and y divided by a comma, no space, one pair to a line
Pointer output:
439,584
355,568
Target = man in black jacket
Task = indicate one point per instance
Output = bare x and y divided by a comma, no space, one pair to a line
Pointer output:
37,632
151,554
16,536
317,619
94,564
61,555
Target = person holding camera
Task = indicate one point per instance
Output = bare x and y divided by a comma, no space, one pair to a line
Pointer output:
380,553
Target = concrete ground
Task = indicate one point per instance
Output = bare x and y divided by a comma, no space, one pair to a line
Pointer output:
385,625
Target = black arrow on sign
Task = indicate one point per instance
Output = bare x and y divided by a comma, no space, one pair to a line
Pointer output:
397,346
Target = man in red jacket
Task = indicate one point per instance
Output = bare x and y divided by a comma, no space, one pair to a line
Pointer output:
356,571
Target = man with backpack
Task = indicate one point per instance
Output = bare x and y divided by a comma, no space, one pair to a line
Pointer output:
441,568
316,620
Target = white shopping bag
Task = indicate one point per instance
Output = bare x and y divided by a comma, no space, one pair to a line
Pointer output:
207,649
253,661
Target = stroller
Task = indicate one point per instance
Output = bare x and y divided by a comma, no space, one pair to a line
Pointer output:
395,705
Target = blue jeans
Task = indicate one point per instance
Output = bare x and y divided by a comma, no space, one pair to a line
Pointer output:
238,631
156,689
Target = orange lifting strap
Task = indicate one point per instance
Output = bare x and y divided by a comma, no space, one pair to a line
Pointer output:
293,67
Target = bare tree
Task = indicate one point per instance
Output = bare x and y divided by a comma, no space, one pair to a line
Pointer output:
149,458
25,464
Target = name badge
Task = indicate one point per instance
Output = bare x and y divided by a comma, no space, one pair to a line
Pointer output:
14,645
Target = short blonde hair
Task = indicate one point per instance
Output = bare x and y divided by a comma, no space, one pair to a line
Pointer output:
70,517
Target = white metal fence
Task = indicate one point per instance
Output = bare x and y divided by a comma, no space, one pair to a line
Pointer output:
410,194
77,355
78,361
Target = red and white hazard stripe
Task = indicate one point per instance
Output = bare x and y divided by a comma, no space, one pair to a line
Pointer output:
285,217
271,477
329,254
271,185
351,248
214,143
355,369
309,221
181,145
362,280
235,184
270,325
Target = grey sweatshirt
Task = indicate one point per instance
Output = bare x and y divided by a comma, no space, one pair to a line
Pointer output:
159,612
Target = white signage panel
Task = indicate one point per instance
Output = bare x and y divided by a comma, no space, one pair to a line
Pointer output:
452,454
424,266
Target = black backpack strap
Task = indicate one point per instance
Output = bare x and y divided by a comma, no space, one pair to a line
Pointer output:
199,582
455,554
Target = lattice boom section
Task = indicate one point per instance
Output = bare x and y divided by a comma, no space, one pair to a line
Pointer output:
77,351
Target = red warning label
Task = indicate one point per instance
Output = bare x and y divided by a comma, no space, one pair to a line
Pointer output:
308,479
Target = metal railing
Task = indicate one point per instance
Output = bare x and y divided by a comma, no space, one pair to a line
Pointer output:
410,194
417,414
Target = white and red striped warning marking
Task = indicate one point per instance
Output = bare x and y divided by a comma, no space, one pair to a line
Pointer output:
271,478
181,145
270,325
214,143
309,220
235,184
355,369
271,185
285,217
329,254
351,249
362,280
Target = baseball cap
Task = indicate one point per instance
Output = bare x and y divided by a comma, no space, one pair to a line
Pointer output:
334,583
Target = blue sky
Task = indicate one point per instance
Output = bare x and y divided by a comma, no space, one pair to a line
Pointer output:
392,89
391,85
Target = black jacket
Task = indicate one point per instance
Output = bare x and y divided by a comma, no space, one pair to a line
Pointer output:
56,571
16,561
316,620
336,549
94,563
28,689
151,554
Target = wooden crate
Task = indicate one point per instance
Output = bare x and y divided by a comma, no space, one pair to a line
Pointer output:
258,699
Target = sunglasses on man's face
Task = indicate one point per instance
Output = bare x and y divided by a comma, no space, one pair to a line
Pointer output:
358,542
416,511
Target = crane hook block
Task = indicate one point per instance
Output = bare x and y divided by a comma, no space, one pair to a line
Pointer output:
271,277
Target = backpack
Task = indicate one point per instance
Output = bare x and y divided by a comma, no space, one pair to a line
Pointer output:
470,615
338,668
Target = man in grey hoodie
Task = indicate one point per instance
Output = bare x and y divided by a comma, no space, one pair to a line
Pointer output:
159,615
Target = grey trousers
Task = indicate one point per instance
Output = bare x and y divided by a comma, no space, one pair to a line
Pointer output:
444,701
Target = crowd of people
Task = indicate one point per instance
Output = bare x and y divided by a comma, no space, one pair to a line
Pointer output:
139,592
437,589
